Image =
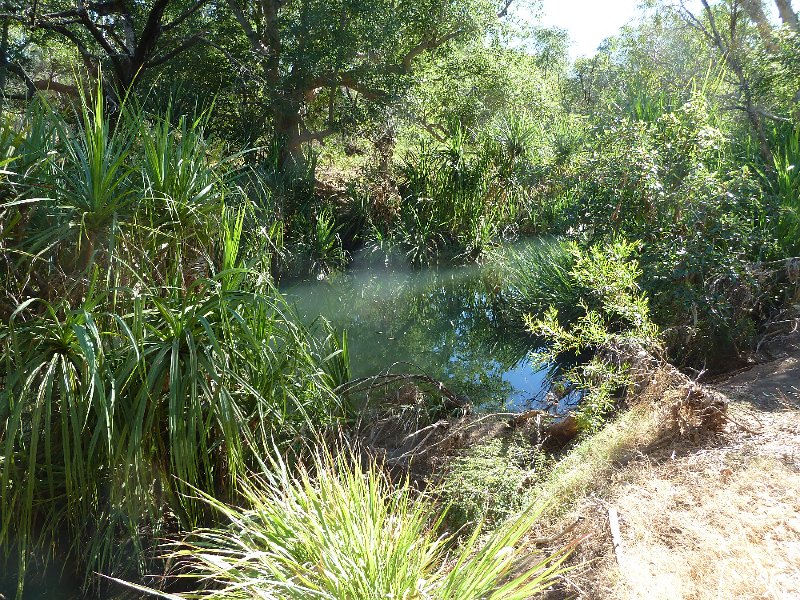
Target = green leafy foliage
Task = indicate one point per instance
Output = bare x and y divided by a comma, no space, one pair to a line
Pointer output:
702,222
783,184
492,481
539,276
147,360
614,313
459,196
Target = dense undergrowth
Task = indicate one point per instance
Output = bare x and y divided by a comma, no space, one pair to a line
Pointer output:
147,354
149,366
334,529
144,355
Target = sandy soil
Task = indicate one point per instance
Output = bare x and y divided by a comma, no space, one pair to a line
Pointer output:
716,519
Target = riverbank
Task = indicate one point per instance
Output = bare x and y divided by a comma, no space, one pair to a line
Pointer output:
708,517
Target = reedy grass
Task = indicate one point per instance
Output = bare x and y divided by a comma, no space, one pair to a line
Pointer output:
126,413
785,185
538,277
460,199
337,530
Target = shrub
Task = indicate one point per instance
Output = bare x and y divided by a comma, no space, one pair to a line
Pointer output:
492,481
615,313
144,358
701,219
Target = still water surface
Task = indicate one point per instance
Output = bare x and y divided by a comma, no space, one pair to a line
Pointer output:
448,323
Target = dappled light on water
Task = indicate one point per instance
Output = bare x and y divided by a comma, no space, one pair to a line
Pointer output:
449,323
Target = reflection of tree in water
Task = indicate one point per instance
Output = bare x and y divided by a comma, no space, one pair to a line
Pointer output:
448,324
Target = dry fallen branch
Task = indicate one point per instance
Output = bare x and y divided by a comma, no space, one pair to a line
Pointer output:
616,537
546,541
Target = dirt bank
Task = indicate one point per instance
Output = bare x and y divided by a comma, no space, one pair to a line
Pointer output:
712,518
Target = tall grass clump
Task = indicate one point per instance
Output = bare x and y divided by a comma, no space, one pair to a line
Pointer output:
142,356
784,184
340,531
538,277
459,195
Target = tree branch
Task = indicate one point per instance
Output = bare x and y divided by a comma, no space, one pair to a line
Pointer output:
184,15
224,51
256,43
755,10
503,12
125,44
429,43
435,129
760,111
188,43
346,79
714,30
54,86
38,85
150,33
103,9
97,34
788,16
17,70
310,136
690,18
89,59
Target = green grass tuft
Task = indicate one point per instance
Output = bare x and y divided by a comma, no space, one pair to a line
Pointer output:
340,531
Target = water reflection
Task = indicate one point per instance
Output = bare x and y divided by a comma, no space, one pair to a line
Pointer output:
449,323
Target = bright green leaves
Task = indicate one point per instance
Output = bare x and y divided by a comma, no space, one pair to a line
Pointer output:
613,307
614,314
100,411
147,361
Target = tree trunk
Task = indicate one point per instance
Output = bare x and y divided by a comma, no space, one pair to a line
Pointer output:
727,49
755,10
756,121
789,19
788,16
3,62
287,134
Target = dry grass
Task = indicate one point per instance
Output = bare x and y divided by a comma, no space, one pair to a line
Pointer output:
701,527
708,493
701,518
589,465
668,408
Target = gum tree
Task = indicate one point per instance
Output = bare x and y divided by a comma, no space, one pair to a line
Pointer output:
320,60
123,37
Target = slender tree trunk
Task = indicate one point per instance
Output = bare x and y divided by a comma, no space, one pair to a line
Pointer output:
3,63
287,133
753,116
789,19
757,123
755,10
728,51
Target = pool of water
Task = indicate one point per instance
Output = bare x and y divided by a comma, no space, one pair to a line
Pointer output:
448,323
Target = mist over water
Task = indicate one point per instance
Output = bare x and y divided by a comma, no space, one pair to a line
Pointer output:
447,322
